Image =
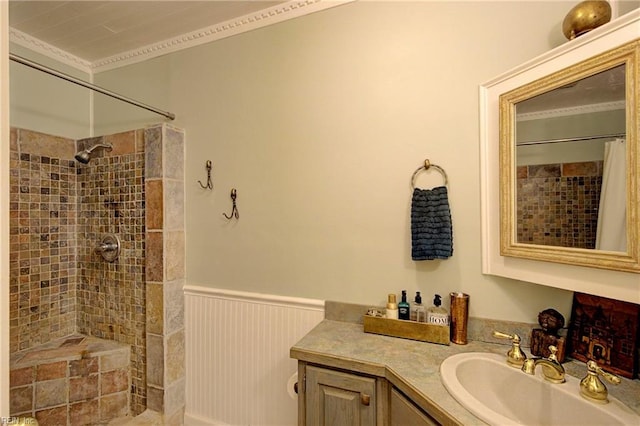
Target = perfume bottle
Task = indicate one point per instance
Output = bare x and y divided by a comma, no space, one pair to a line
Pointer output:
404,312
418,312
436,314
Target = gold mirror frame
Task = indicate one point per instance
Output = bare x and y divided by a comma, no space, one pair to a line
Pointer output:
627,54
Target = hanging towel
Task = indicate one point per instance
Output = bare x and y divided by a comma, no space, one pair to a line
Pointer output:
431,230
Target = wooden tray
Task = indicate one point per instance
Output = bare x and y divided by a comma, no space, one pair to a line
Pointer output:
407,329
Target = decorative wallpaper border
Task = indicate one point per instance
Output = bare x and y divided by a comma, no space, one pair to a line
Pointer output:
281,12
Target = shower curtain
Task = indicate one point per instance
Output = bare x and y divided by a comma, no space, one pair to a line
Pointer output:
612,214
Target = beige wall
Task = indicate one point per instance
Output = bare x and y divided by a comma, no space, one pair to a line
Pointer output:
148,83
45,103
319,122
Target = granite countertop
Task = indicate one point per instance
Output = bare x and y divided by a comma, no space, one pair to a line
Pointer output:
414,367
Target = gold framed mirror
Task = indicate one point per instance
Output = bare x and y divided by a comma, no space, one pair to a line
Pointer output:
568,164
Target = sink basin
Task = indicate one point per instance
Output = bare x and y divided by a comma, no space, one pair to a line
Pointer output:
502,395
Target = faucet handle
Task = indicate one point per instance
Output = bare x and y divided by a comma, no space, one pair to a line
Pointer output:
610,377
592,388
515,356
502,335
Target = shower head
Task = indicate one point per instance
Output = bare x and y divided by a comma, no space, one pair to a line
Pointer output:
85,156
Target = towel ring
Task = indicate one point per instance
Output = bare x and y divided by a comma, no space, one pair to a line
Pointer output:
427,166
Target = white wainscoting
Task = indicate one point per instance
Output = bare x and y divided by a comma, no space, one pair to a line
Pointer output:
237,355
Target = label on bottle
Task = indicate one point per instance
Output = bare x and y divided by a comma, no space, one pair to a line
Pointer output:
437,319
403,312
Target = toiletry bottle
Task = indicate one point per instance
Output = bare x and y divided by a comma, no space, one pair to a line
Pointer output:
392,307
436,314
418,313
404,312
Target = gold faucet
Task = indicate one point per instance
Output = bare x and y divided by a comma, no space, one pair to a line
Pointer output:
552,370
515,356
592,388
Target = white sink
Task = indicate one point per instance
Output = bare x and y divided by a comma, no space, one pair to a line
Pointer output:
502,395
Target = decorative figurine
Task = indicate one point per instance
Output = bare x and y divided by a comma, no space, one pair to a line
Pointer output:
551,322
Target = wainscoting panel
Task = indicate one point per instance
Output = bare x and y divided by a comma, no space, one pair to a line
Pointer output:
237,355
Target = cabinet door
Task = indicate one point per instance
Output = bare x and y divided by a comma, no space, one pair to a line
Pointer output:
403,412
336,398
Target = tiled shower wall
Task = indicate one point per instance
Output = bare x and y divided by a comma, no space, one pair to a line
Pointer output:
557,204
42,229
59,209
111,296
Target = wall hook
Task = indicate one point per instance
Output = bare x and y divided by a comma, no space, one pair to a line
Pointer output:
234,210
209,184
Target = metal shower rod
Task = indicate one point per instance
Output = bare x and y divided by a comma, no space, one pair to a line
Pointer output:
93,87
576,139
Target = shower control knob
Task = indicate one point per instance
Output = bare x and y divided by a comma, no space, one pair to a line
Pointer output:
109,247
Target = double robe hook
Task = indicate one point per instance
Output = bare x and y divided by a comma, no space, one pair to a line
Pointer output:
209,184
234,210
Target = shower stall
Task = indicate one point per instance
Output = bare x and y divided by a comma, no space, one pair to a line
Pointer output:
91,336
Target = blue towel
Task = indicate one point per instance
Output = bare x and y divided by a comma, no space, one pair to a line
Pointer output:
431,230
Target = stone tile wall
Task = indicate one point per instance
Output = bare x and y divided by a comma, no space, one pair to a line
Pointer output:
42,228
111,296
557,204
165,271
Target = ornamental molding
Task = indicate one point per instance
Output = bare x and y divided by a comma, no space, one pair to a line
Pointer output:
44,48
574,110
259,19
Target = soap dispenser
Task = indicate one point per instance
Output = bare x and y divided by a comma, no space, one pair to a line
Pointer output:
404,312
418,312
436,314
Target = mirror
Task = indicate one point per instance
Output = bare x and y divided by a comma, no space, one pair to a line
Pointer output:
560,142
568,164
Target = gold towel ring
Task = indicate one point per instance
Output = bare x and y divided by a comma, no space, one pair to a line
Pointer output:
427,166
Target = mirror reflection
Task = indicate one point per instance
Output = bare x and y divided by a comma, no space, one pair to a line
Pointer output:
570,155
568,172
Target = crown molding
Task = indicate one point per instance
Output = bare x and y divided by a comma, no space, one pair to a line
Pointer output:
272,15
252,21
39,46
574,110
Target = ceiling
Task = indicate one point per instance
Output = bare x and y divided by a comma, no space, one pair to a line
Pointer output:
92,31
603,91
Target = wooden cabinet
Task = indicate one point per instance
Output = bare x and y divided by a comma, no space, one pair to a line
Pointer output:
338,398
403,412
331,397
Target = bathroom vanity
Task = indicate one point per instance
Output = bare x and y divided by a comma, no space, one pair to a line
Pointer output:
349,377
346,398
355,378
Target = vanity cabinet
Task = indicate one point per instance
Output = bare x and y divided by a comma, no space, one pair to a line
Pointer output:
328,396
338,398
403,412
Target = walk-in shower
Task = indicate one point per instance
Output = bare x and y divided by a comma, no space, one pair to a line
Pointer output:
93,339
85,156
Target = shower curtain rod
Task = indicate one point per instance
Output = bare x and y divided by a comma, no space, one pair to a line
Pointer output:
82,83
583,138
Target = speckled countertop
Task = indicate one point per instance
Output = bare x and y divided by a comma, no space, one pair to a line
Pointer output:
413,366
